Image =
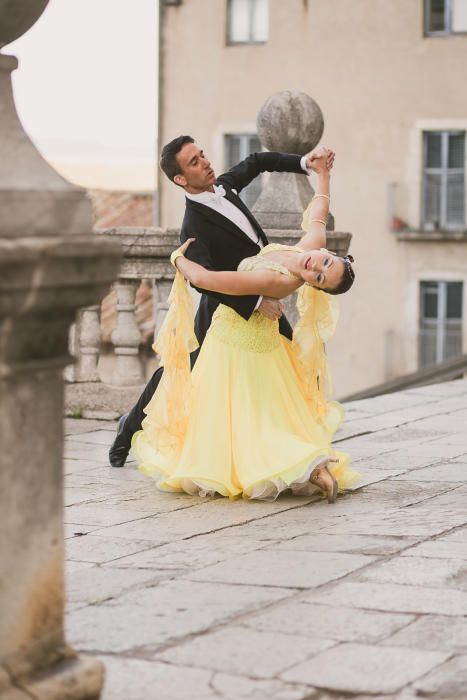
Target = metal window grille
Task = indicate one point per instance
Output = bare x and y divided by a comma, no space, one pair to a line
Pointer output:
237,148
247,21
444,180
440,327
444,17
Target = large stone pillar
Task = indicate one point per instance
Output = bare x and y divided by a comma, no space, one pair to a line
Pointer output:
50,264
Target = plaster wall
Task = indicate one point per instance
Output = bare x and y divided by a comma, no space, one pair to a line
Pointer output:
380,83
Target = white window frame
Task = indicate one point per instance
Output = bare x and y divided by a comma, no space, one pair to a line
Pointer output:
411,190
443,171
441,323
448,30
250,39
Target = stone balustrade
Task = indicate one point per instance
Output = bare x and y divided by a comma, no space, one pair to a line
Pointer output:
146,253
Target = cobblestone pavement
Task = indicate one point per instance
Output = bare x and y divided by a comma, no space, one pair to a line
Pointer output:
292,600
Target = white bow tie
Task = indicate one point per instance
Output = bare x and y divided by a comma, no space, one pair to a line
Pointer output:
218,193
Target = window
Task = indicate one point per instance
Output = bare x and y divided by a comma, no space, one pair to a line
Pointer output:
444,180
237,148
247,21
445,17
440,334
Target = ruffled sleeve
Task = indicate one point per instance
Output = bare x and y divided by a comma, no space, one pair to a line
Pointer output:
318,313
167,412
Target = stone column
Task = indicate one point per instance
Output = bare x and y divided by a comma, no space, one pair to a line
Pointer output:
50,264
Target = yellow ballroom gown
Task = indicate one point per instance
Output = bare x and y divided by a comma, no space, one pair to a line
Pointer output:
251,418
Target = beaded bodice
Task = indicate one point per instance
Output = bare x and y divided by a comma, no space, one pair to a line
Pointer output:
263,262
258,334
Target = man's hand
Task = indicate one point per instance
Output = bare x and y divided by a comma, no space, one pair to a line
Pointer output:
271,308
320,156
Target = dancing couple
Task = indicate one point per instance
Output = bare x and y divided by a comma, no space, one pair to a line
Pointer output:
239,407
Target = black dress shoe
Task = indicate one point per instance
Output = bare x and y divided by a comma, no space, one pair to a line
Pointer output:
121,445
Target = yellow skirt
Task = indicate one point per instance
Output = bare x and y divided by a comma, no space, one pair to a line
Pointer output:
251,430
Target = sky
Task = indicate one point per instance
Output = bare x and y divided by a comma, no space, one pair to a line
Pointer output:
85,90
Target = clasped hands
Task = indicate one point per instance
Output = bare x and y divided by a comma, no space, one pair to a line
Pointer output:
271,308
320,159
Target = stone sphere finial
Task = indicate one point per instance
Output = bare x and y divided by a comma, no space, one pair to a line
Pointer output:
17,16
291,122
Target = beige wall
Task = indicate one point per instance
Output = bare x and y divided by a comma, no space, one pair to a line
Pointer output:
379,83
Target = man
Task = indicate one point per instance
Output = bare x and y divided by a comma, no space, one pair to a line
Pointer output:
226,232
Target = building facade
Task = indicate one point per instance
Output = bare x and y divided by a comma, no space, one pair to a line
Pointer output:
388,77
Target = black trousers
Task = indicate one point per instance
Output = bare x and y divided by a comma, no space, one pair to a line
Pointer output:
137,415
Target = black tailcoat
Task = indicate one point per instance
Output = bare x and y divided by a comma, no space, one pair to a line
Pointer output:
221,245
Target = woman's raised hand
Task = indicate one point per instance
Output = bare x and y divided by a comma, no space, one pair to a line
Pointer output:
320,159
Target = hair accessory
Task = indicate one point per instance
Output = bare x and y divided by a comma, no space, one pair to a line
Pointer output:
348,259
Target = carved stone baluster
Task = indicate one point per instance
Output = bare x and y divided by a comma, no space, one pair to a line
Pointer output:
89,340
126,336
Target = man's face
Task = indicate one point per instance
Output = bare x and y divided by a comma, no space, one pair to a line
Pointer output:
197,174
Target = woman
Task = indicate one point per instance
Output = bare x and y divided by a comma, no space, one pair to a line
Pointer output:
252,418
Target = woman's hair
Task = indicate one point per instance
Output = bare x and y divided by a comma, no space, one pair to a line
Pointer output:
168,160
347,278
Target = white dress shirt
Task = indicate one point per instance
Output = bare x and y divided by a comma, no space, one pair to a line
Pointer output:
216,200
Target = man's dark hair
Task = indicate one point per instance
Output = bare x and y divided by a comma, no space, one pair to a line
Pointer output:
347,278
168,161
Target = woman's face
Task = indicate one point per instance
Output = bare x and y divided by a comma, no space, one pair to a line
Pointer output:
321,269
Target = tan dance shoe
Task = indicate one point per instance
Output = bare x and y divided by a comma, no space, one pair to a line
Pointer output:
323,479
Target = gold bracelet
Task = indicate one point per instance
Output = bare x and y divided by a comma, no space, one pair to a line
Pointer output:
315,196
175,255
319,221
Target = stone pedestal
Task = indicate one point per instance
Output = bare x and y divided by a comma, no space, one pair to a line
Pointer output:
50,265
290,122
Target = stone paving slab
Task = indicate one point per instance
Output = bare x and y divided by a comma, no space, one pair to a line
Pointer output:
393,597
130,678
422,571
329,622
291,568
360,668
292,600
358,544
434,632
450,679
153,616
441,548
243,651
